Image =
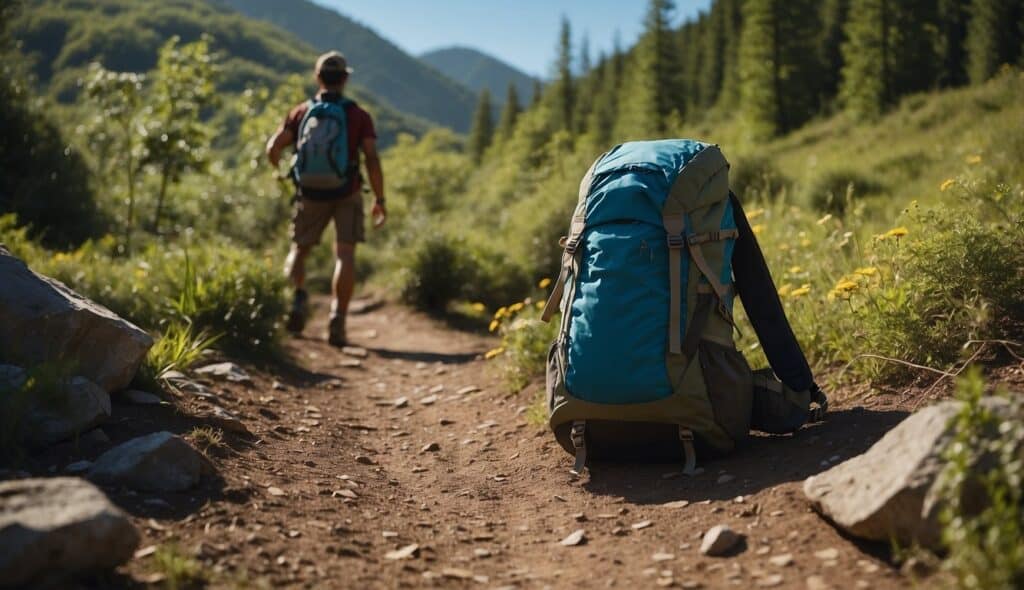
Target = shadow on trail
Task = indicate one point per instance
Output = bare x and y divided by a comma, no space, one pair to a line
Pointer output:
421,356
765,462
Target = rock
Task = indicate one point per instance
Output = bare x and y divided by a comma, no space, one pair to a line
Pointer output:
663,557
406,552
770,581
577,537
677,504
76,406
724,479
356,351
59,528
225,420
829,554
430,448
225,371
641,525
139,398
784,560
873,497
719,540
42,320
159,462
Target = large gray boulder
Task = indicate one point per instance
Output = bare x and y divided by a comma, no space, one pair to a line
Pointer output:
53,529
891,491
42,320
158,462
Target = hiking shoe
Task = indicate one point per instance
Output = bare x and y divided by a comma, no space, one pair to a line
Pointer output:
336,331
299,313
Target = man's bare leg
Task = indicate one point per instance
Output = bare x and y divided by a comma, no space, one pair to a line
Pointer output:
343,285
295,268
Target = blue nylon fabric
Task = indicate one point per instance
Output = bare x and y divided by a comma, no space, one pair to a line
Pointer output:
617,331
617,334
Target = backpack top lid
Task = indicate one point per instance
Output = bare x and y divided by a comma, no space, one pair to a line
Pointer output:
634,180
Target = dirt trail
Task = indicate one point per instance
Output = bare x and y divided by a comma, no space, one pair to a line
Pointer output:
341,470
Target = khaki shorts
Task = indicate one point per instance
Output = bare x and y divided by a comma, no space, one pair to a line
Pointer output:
311,217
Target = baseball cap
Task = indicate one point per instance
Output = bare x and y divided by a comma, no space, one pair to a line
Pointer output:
332,61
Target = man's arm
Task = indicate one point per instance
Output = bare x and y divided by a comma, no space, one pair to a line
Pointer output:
376,176
276,144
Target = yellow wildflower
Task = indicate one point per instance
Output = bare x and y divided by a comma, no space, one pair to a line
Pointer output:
896,232
494,325
494,352
785,289
755,213
757,229
803,290
805,243
500,313
479,307
795,270
539,305
846,286
515,307
866,271
945,186
544,283
825,219
974,159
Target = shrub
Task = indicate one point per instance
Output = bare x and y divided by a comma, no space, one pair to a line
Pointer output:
986,547
753,177
437,273
833,191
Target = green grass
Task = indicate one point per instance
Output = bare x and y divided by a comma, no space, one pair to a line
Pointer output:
180,572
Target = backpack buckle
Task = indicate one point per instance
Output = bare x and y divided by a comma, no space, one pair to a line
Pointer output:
571,245
675,241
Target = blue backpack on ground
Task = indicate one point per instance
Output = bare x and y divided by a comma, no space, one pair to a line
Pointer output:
321,157
645,353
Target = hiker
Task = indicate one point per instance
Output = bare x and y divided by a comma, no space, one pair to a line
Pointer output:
327,134
645,363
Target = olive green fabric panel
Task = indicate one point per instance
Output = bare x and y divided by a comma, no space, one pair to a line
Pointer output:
702,181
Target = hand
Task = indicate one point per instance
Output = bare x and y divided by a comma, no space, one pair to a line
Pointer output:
380,213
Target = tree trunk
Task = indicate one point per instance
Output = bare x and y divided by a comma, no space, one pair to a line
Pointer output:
160,198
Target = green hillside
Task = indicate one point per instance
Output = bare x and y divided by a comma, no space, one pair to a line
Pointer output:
61,38
477,70
387,71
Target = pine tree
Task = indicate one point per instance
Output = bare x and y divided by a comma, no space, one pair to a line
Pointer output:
509,113
730,93
689,47
830,43
866,86
777,65
992,38
585,64
564,83
482,132
538,91
952,34
653,90
712,66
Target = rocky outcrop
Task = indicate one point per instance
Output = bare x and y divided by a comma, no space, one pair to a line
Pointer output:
889,492
41,320
158,462
55,529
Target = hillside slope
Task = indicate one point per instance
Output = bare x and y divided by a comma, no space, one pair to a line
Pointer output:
387,71
61,37
477,70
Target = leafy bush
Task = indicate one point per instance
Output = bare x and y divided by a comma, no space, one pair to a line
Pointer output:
833,191
752,177
437,273
525,339
986,547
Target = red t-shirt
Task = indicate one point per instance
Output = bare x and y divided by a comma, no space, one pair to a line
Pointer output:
360,127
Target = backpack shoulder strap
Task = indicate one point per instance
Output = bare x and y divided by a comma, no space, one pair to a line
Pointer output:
702,181
572,242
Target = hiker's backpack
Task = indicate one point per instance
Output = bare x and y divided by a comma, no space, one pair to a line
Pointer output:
645,352
321,154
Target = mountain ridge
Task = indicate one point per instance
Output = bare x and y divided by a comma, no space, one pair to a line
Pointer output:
391,74
477,70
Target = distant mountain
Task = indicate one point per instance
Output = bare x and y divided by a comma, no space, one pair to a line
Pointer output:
61,37
388,72
477,70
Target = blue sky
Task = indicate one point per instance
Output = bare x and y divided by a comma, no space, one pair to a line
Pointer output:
523,33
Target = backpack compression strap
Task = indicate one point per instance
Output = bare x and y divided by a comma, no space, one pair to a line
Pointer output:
572,243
